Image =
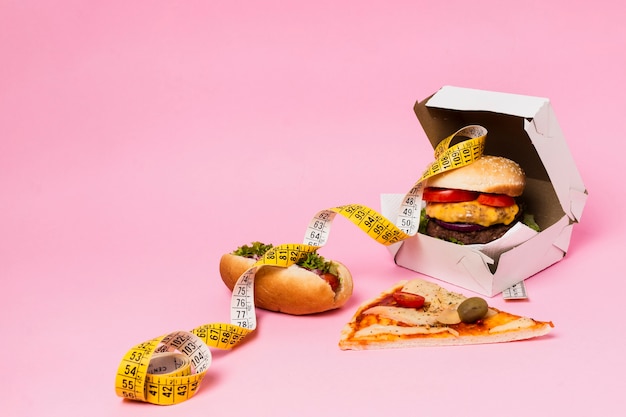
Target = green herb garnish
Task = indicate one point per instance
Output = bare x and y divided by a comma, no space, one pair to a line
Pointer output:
529,220
453,240
312,261
423,222
255,250
316,262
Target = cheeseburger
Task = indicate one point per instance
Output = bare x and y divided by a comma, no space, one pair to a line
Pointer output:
476,203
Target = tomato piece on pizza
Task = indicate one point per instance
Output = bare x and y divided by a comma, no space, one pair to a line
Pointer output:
408,300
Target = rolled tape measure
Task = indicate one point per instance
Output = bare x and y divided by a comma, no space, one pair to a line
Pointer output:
168,369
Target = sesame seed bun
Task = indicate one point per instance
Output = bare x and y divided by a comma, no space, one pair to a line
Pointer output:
488,174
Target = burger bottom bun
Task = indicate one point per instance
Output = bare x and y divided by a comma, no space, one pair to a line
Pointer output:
291,290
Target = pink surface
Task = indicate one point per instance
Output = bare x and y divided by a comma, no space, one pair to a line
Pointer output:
141,141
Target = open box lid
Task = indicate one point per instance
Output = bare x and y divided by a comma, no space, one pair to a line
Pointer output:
521,128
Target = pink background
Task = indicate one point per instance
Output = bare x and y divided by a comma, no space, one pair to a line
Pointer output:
142,140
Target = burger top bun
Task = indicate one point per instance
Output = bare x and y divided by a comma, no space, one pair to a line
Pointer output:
488,174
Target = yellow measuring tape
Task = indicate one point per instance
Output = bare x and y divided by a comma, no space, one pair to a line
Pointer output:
168,369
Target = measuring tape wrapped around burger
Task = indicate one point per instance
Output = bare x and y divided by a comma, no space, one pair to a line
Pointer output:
168,369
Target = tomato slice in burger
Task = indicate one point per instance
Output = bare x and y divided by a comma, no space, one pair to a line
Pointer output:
447,195
496,200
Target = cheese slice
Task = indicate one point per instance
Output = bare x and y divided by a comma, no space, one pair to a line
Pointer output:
472,212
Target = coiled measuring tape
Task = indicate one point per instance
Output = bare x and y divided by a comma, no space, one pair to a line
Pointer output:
168,369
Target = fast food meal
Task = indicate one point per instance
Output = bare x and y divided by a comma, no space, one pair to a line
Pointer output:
313,285
421,313
476,203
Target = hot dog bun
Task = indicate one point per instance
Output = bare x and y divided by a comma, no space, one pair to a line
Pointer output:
292,290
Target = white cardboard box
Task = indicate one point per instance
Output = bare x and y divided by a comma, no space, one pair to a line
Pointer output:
521,128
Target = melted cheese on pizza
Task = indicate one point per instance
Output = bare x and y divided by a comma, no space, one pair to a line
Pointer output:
408,316
517,324
380,330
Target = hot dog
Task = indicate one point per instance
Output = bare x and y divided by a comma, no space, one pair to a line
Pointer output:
312,286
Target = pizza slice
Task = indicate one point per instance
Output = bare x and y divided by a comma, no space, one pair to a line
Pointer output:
422,313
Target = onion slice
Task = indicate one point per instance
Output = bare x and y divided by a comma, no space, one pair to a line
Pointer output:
459,227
